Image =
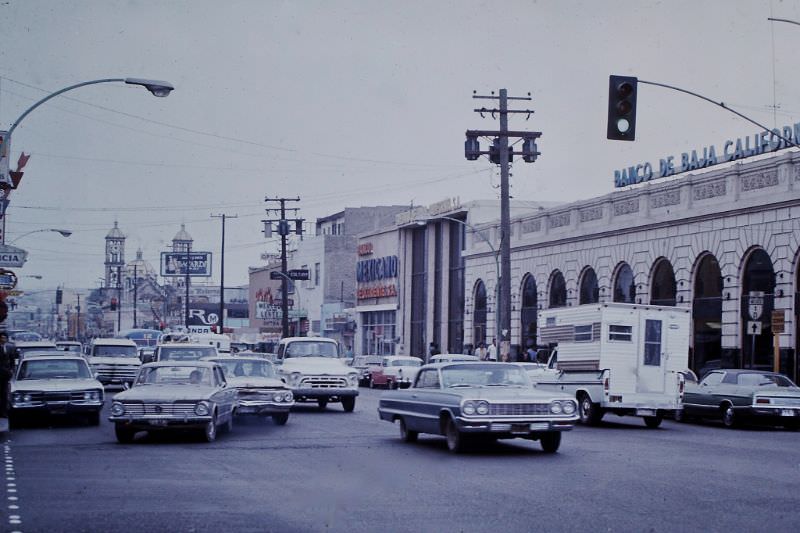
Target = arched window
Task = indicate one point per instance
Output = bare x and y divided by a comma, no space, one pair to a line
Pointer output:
758,286
590,291
663,288
707,316
528,313
558,290
624,286
479,314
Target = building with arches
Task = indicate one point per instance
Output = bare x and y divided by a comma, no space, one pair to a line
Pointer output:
725,243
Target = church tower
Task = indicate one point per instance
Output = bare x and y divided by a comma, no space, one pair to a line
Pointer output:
181,243
115,256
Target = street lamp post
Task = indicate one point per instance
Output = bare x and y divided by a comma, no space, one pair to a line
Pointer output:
63,232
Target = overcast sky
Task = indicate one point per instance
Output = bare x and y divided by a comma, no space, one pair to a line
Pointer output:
346,103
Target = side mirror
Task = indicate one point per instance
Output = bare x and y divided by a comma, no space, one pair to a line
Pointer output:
126,386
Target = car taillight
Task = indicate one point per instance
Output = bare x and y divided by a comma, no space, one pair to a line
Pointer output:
605,384
762,400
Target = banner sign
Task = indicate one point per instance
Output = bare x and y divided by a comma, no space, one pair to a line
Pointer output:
173,264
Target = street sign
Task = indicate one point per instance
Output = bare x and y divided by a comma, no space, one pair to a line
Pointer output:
753,327
275,275
778,321
299,274
8,280
755,305
173,264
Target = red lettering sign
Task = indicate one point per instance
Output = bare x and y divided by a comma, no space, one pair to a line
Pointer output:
365,248
381,291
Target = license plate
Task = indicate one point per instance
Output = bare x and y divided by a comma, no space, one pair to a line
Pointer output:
539,426
646,412
520,428
158,422
787,412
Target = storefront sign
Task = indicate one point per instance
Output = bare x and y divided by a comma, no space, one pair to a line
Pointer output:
380,291
365,248
445,206
11,256
759,143
376,269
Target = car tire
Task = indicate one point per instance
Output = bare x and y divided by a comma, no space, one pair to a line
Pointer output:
653,422
590,413
406,434
124,434
322,403
228,427
210,429
729,416
280,418
349,403
550,441
13,420
680,416
456,441
93,418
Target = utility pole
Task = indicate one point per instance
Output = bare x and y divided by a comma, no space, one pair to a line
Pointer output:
223,216
119,299
186,283
78,319
501,154
283,231
135,292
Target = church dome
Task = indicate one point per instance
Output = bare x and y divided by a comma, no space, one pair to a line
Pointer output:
182,235
115,232
140,267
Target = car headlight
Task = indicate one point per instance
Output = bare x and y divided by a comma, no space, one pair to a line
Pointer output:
353,379
468,408
569,407
295,377
288,397
278,397
482,408
91,396
117,409
26,397
202,409
17,397
555,408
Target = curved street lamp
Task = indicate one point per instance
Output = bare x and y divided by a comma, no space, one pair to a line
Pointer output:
63,232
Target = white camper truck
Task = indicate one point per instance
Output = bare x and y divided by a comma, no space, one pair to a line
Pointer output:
617,358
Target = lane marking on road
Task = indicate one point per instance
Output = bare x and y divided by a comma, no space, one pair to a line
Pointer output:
14,519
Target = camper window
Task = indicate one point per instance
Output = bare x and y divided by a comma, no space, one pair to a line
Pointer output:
652,342
583,333
620,333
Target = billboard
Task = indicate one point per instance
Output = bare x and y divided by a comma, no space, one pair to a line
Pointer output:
173,264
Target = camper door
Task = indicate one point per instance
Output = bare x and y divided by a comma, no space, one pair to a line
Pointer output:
651,356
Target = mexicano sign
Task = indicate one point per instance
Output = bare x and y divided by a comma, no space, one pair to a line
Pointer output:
757,144
11,256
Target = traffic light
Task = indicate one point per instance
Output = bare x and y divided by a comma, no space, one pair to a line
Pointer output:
113,305
59,296
622,108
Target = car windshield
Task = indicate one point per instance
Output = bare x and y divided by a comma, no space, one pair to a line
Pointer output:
484,375
185,353
764,380
70,347
114,351
26,336
406,362
29,349
53,369
248,367
174,375
311,349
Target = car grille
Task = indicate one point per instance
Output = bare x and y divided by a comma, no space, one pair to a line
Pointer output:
323,382
127,372
166,409
519,409
247,394
65,396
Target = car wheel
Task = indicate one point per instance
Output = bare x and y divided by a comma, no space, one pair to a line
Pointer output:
210,431
653,421
228,427
280,418
550,441
680,416
93,418
13,420
728,416
590,413
124,435
406,434
455,440
322,403
349,403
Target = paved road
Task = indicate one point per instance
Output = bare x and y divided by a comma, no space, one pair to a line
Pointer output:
333,471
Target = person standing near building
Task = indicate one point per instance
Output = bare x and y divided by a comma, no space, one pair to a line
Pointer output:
8,357
480,352
491,352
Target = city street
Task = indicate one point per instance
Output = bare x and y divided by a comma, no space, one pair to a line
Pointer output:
334,471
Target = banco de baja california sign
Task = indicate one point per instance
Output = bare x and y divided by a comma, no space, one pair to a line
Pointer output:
760,143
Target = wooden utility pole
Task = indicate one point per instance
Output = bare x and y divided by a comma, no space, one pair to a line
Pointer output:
221,321
283,231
